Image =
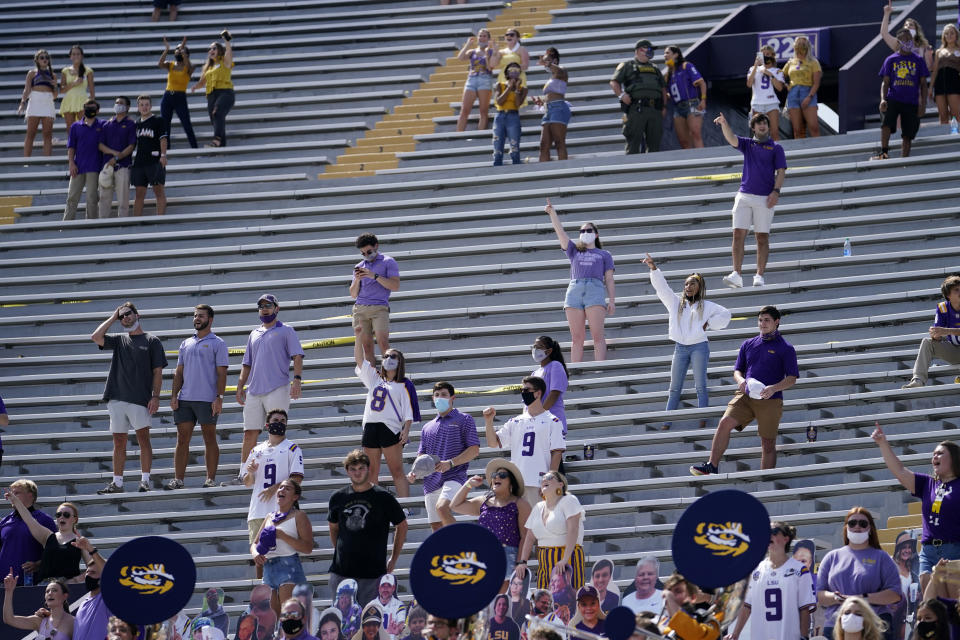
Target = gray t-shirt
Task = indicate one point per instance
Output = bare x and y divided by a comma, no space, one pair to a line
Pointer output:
131,370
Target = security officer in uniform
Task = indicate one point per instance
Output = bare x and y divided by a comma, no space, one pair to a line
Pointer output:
643,93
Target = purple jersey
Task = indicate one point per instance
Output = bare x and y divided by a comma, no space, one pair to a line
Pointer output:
904,71
948,318
371,291
681,83
941,509
857,571
447,437
590,263
769,361
761,160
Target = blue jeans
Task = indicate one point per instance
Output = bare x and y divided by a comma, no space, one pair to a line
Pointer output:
683,356
177,101
506,127
931,555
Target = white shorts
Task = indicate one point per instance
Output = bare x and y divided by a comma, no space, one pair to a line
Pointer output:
256,406
40,105
447,491
765,108
126,415
750,209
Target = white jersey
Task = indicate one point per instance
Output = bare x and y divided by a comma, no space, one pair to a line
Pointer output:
530,441
775,597
763,91
275,464
387,402
391,612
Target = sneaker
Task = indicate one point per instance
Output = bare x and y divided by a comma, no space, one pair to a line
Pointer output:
913,384
734,281
758,280
209,483
666,426
110,488
174,484
233,482
144,486
703,469
812,433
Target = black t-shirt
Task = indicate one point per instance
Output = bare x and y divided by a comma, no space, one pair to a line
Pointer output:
149,133
131,370
364,521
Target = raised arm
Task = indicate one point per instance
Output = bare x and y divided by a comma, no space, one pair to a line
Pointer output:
891,41
461,505
465,50
27,623
101,331
557,227
728,133
39,532
900,472
228,53
493,440
163,56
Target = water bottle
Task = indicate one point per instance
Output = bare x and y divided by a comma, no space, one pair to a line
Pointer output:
953,126
847,249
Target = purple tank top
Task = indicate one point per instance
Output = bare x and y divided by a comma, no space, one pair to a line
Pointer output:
503,521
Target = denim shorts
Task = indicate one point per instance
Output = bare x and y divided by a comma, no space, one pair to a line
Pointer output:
557,112
479,82
689,107
512,553
930,555
283,570
585,292
796,95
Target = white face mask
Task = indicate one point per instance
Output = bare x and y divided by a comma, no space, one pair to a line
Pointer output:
390,363
588,237
851,622
913,33
119,108
858,537
539,354
136,325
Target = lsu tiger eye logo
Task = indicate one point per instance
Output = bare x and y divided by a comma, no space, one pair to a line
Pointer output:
149,580
725,539
459,569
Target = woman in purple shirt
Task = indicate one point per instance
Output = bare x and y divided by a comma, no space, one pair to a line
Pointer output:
688,91
553,371
859,568
940,508
591,271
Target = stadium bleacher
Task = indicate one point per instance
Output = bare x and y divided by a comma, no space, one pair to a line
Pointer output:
480,270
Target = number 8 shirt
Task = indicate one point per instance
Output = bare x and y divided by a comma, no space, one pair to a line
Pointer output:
775,597
275,464
530,440
387,402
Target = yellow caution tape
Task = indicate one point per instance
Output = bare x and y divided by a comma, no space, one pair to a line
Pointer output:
740,318
714,176
313,344
504,389
7,306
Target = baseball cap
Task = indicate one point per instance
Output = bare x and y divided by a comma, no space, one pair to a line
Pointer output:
388,578
269,297
643,44
424,465
106,177
372,614
588,591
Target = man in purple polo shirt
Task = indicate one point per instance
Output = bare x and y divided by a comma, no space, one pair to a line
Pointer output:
903,95
943,342
198,386
17,545
92,615
117,142
83,153
452,437
766,365
764,168
266,367
374,278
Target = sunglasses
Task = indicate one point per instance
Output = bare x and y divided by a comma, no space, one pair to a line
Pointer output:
290,615
774,531
502,475
588,230
125,314
863,524
265,305
63,514
43,57
262,605
510,35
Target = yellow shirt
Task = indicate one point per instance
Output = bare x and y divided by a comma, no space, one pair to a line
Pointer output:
509,102
801,72
218,77
177,80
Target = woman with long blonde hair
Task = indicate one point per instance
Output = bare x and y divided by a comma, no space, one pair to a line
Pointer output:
803,73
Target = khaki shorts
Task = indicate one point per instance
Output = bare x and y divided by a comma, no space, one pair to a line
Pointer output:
126,415
253,527
744,409
750,209
372,319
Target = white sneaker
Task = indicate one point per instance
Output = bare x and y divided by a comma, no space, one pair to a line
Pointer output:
758,280
734,281
913,384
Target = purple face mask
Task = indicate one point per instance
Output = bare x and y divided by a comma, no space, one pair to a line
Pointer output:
907,46
268,319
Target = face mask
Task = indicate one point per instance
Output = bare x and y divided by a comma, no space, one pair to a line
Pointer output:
119,108
769,60
268,319
178,56
851,622
528,397
587,238
539,354
857,537
276,428
926,629
913,33
670,63
371,257
390,363
907,47
291,626
91,583
90,112
136,325
513,74
442,404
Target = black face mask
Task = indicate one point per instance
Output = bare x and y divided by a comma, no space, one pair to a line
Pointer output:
91,583
291,626
277,428
178,56
769,60
528,397
926,629
90,112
